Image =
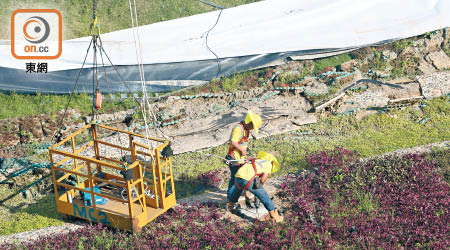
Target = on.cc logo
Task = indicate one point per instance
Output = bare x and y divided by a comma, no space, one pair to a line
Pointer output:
36,34
36,29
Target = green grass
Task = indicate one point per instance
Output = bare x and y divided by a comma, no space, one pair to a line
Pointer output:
322,64
19,214
230,83
17,105
113,14
400,45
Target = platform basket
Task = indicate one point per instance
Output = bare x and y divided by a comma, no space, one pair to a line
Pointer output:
124,184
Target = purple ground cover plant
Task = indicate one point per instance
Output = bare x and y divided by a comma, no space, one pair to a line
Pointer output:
211,178
343,203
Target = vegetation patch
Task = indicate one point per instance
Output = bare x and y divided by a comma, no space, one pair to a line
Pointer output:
19,105
334,61
20,214
340,204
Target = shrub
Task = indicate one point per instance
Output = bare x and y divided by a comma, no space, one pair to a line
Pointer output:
211,178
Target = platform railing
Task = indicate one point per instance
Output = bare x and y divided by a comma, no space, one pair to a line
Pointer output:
81,164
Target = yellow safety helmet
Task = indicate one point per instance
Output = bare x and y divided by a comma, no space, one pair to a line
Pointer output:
270,158
254,119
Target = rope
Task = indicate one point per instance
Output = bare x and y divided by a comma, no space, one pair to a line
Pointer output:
137,46
94,75
94,9
118,73
271,79
219,66
128,87
107,84
141,69
72,93
222,158
144,87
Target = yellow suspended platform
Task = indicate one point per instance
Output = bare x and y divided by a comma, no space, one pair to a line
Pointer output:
125,195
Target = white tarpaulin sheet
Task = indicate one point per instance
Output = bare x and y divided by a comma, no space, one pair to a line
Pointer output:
245,37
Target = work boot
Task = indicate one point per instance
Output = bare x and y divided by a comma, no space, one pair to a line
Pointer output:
265,217
272,216
230,206
275,216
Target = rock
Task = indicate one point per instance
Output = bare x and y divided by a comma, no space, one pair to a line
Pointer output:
172,99
379,74
434,42
374,96
434,85
389,55
347,107
308,65
419,45
439,59
49,126
30,129
408,51
302,120
316,88
407,91
105,118
425,67
292,73
392,55
348,66
9,134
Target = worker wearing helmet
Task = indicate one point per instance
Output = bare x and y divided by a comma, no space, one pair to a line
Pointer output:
238,149
252,176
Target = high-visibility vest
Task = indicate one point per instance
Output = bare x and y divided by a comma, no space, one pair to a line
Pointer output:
242,141
250,181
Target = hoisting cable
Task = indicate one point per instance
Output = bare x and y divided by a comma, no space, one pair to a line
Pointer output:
118,73
120,76
109,91
71,94
142,77
142,72
127,86
96,103
94,78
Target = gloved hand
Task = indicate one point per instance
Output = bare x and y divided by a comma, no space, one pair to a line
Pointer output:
257,202
257,183
248,203
229,160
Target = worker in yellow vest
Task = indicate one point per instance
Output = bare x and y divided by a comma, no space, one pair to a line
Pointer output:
238,149
252,176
